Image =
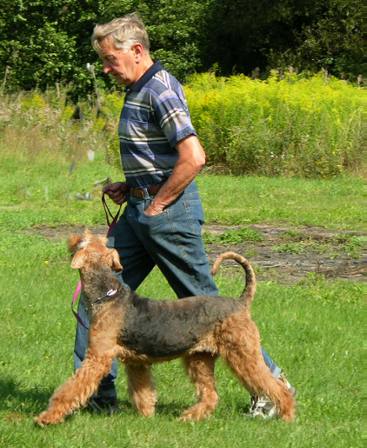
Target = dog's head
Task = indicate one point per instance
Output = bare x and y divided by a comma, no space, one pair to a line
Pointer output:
90,250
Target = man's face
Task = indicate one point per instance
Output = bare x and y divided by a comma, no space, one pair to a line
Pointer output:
120,63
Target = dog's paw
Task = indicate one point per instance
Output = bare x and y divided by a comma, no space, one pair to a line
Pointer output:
195,414
47,418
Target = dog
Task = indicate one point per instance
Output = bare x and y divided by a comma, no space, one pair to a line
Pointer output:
140,332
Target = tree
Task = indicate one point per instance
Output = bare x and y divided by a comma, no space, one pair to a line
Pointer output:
48,41
335,40
307,34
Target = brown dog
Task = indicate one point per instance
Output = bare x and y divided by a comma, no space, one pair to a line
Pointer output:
140,332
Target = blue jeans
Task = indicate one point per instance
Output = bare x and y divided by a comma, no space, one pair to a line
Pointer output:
172,241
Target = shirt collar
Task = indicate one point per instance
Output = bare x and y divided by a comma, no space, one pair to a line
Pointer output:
137,85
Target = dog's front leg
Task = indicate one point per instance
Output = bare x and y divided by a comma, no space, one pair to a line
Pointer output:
141,388
77,390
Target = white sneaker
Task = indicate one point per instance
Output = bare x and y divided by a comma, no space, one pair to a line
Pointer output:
263,407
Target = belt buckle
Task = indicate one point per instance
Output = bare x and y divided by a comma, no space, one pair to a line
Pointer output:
138,193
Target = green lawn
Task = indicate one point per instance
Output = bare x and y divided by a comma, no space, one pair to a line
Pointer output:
45,194
313,329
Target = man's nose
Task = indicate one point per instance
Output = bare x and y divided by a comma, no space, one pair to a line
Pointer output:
106,69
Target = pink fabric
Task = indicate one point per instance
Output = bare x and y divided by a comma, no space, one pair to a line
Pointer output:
77,291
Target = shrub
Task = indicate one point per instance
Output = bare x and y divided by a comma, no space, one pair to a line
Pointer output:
293,125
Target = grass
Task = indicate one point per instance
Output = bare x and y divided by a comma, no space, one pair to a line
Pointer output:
233,236
350,245
335,203
42,190
312,329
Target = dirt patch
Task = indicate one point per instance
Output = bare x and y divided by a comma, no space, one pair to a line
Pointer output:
288,254
284,254
63,231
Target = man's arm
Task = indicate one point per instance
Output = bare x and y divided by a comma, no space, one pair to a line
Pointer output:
191,160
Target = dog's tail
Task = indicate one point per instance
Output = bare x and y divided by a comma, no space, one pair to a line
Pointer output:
248,293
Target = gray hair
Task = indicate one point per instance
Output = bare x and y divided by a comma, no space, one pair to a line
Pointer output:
124,31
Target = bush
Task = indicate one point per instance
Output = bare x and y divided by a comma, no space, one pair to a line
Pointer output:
293,126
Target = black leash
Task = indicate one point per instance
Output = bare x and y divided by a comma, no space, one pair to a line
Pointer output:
110,217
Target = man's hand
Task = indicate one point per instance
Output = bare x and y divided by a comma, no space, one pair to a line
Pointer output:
153,209
191,159
116,192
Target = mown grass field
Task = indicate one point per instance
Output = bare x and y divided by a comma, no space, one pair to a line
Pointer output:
313,329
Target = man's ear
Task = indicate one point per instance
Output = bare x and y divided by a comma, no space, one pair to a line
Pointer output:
138,50
78,260
116,265
73,242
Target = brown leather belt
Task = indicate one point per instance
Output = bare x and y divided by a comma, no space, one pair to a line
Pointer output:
142,193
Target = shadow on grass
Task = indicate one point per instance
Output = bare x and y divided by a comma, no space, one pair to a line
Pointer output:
18,402
171,410
14,397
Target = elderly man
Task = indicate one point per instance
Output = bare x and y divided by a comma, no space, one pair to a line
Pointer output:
161,156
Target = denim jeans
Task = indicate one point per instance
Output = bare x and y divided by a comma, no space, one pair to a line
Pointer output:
172,241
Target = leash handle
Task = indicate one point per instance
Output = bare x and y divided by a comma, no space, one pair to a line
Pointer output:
110,217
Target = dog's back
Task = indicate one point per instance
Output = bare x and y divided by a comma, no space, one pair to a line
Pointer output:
161,328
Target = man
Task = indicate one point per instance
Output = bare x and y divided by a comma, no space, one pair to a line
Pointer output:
161,156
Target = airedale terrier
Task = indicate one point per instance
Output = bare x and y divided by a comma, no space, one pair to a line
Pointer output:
140,332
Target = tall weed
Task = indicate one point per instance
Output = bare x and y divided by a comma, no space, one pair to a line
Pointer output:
34,124
294,126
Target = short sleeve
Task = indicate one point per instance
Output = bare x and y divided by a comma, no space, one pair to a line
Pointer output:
172,115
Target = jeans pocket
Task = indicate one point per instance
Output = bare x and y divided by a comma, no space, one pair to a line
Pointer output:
153,218
152,224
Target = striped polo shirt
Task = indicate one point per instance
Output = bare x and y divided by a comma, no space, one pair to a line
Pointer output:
154,118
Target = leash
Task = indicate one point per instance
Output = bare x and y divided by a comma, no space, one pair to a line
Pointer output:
111,222
110,217
75,298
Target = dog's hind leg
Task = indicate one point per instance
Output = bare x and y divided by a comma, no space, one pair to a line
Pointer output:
252,371
200,368
77,390
141,388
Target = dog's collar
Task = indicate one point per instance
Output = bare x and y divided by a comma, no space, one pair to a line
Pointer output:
110,294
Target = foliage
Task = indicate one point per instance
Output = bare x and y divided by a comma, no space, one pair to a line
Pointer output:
44,42
332,39
47,42
307,34
286,125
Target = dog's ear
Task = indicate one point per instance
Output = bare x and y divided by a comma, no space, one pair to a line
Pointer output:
73,242
116,265
78,260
